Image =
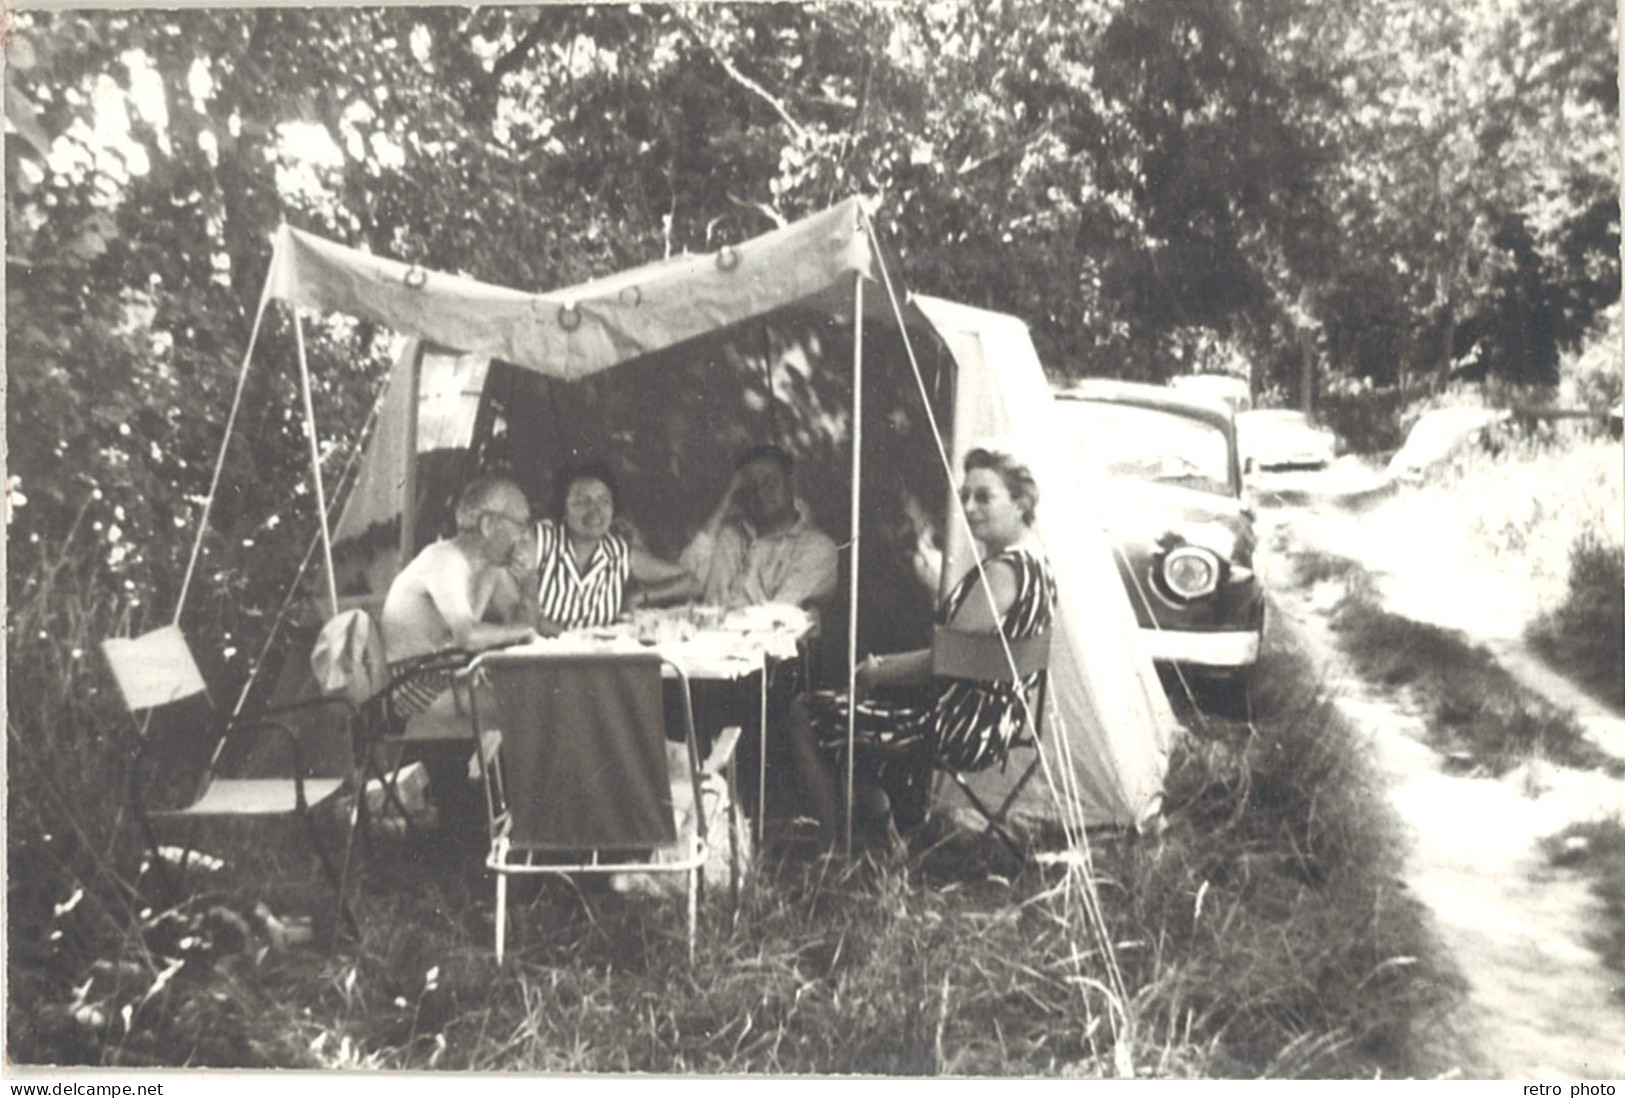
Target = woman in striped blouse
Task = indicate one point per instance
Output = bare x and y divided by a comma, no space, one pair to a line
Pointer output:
921,718
579,566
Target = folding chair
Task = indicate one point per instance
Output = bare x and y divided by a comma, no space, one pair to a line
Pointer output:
156,671
349,662
982,657
580,783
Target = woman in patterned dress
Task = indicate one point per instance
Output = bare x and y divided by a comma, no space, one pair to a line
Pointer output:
574,569
917,717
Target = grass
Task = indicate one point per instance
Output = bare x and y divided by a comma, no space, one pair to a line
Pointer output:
1477,710
1270,912
1494,535
1597,849
1584,635
1260,934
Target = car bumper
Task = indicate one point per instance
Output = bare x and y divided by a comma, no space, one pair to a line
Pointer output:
1219,649
1293,461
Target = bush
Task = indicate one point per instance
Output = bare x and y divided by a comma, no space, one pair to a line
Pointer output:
1585,634
1592,377
69,844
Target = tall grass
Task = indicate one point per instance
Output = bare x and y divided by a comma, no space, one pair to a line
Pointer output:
1273,923
1597,849
1259,934
1584,634
1477,710
72,853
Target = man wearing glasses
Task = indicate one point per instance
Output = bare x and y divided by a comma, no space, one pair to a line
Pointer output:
438,601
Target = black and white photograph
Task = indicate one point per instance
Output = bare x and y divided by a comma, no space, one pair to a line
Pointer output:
833,539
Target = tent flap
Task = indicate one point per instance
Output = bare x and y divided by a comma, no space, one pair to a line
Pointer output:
590,327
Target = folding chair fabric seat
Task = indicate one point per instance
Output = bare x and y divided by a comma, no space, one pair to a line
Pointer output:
598,778
157,670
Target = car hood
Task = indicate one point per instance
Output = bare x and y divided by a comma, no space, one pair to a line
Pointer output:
1139,513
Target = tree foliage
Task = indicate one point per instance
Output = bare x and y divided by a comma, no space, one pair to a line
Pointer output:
1394,189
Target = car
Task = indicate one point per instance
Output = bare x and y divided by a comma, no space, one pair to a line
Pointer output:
1279,438
1168,477
1438,435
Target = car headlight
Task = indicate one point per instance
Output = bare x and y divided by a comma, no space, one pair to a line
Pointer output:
1190,572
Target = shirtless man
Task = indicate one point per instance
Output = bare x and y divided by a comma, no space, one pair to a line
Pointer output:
438,601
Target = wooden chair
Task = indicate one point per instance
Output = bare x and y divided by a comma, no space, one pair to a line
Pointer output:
156,671
580,783
990,659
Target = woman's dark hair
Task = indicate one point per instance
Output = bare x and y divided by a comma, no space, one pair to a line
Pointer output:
587,470
1017,476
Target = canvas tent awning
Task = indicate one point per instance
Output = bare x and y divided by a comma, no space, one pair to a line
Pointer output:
576,332
1110,726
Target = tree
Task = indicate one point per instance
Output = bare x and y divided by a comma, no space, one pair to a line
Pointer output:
1475,176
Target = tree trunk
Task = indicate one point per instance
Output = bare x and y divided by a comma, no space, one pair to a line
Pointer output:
1447,348
1306,379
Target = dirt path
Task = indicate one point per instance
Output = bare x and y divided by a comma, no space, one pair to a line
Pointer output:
1539,1002
1333,511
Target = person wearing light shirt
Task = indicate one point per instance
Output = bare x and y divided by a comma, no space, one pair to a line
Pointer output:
759,546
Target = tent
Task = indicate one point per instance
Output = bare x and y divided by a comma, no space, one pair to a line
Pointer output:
796,337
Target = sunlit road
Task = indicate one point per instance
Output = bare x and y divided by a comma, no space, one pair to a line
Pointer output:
1539,1003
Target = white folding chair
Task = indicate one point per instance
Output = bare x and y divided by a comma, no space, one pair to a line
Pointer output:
580,783
156,671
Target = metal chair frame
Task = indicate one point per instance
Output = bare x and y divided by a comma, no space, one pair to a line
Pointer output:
384,742
238,797
506,859
990,658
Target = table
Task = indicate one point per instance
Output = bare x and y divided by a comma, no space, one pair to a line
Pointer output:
745,642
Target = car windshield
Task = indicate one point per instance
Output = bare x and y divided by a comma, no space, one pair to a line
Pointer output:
1154,444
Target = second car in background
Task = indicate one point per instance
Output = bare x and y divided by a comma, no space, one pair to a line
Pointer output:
1279,438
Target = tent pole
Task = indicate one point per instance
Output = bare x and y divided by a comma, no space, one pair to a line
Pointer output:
315,461
231,422
409,482
852,583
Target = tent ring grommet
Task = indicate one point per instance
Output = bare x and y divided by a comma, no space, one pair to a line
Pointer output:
415,277
632,295
569,317
727,257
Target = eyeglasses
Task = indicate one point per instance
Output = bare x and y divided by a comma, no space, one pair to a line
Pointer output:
982,496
